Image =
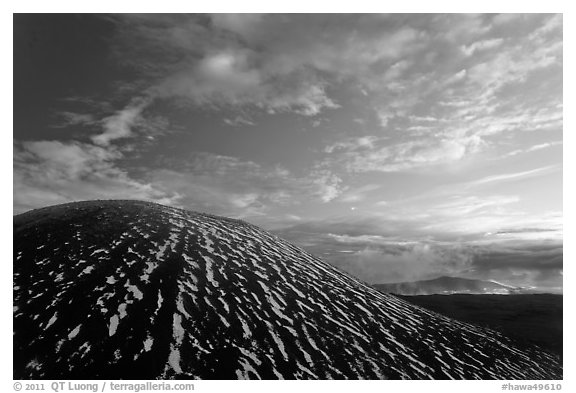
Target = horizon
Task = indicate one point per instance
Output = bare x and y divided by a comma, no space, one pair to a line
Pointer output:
395,147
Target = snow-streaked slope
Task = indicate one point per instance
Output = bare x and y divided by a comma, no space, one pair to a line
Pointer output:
134,290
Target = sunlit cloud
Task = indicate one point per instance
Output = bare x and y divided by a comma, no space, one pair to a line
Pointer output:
534,148
516,255
469,50
120,124
230,186
508,177
51,172
362,155
358,194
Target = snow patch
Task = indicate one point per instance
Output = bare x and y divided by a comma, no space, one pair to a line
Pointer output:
113,325
88,270
52,320
148,344
135,290
174,360
74,332
209,272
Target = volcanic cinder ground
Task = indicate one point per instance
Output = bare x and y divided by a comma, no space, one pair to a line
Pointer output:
135,290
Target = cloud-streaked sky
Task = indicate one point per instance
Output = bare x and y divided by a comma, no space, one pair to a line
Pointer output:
397,147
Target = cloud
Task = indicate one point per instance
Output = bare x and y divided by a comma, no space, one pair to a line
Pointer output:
241,24
455,78
464,206
120,124
508,177
534,148
467,102
358,194
353,144
65,160
231,78
328,184
474,192
239,121
52,172
553,23
286,44
513,66
276,62
231,186
444,218
452,215
483,45
405,65
477,217
463,27
408,67
380,250
469,79
364,156
68,119
405,263
525,264
500,19
525,256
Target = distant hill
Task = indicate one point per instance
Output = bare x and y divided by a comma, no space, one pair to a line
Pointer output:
447,285
535,318
136,290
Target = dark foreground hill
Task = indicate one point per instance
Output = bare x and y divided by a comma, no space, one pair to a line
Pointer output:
134,290
535,317
447,285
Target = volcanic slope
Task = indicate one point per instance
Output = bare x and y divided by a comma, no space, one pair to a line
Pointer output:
135,290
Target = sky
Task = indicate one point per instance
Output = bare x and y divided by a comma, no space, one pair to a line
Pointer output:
396,147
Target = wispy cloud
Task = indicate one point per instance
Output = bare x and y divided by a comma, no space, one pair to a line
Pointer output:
472,207
377,257
66,119
364,155
353,144
459,206
508,177
358,194
502,19
238,121
477,46
328,184
52,172
120,124
266,61
230,186
534,148
409,67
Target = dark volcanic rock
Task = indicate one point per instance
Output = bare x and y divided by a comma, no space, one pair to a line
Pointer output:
134,290
536,318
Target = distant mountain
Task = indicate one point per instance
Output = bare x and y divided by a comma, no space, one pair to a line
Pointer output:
135,290
448,285
537,318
